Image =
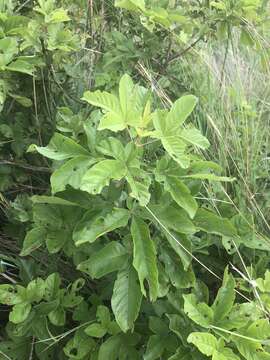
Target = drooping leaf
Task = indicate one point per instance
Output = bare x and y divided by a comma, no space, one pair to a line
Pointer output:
225,298
99,176
181,195
93,225
126,298
60,148
70,173
214,224
139,183
144,257
111,258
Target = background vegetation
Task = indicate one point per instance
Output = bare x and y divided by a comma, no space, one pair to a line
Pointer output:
134,179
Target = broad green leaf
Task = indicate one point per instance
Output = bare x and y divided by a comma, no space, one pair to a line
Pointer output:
103,100
173,217
57,16
139,183
126,90
95,330
171,140
126,298
214,224
225,298
144,257
21,66
155,347
224,354
20,312
33,240
180,111
70,173
99,176
110,348
132,5
205,342
60,148
111,258
112,147
200,313
113,119
175,240
35,290
181,195
194,137
208,176
92,225
53,200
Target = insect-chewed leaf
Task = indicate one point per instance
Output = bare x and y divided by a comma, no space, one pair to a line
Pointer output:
144,257
99,176
111,258
126,298
206,343
60,148
93,225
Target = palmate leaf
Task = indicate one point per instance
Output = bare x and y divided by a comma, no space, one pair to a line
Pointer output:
70,173
126,298
170,139
95,224
194,137
109,259
60,148
180,111
99,176
144,257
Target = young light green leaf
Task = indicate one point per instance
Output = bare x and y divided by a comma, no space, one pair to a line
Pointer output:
99,176
180,111
126,298
206,343
113,119
60,148
111,258
144,257
194,137
95,330
171,140
70,173
112,147
93,225
20,312
200,313
132,5
181,194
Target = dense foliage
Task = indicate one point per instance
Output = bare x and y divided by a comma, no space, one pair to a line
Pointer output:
134,226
